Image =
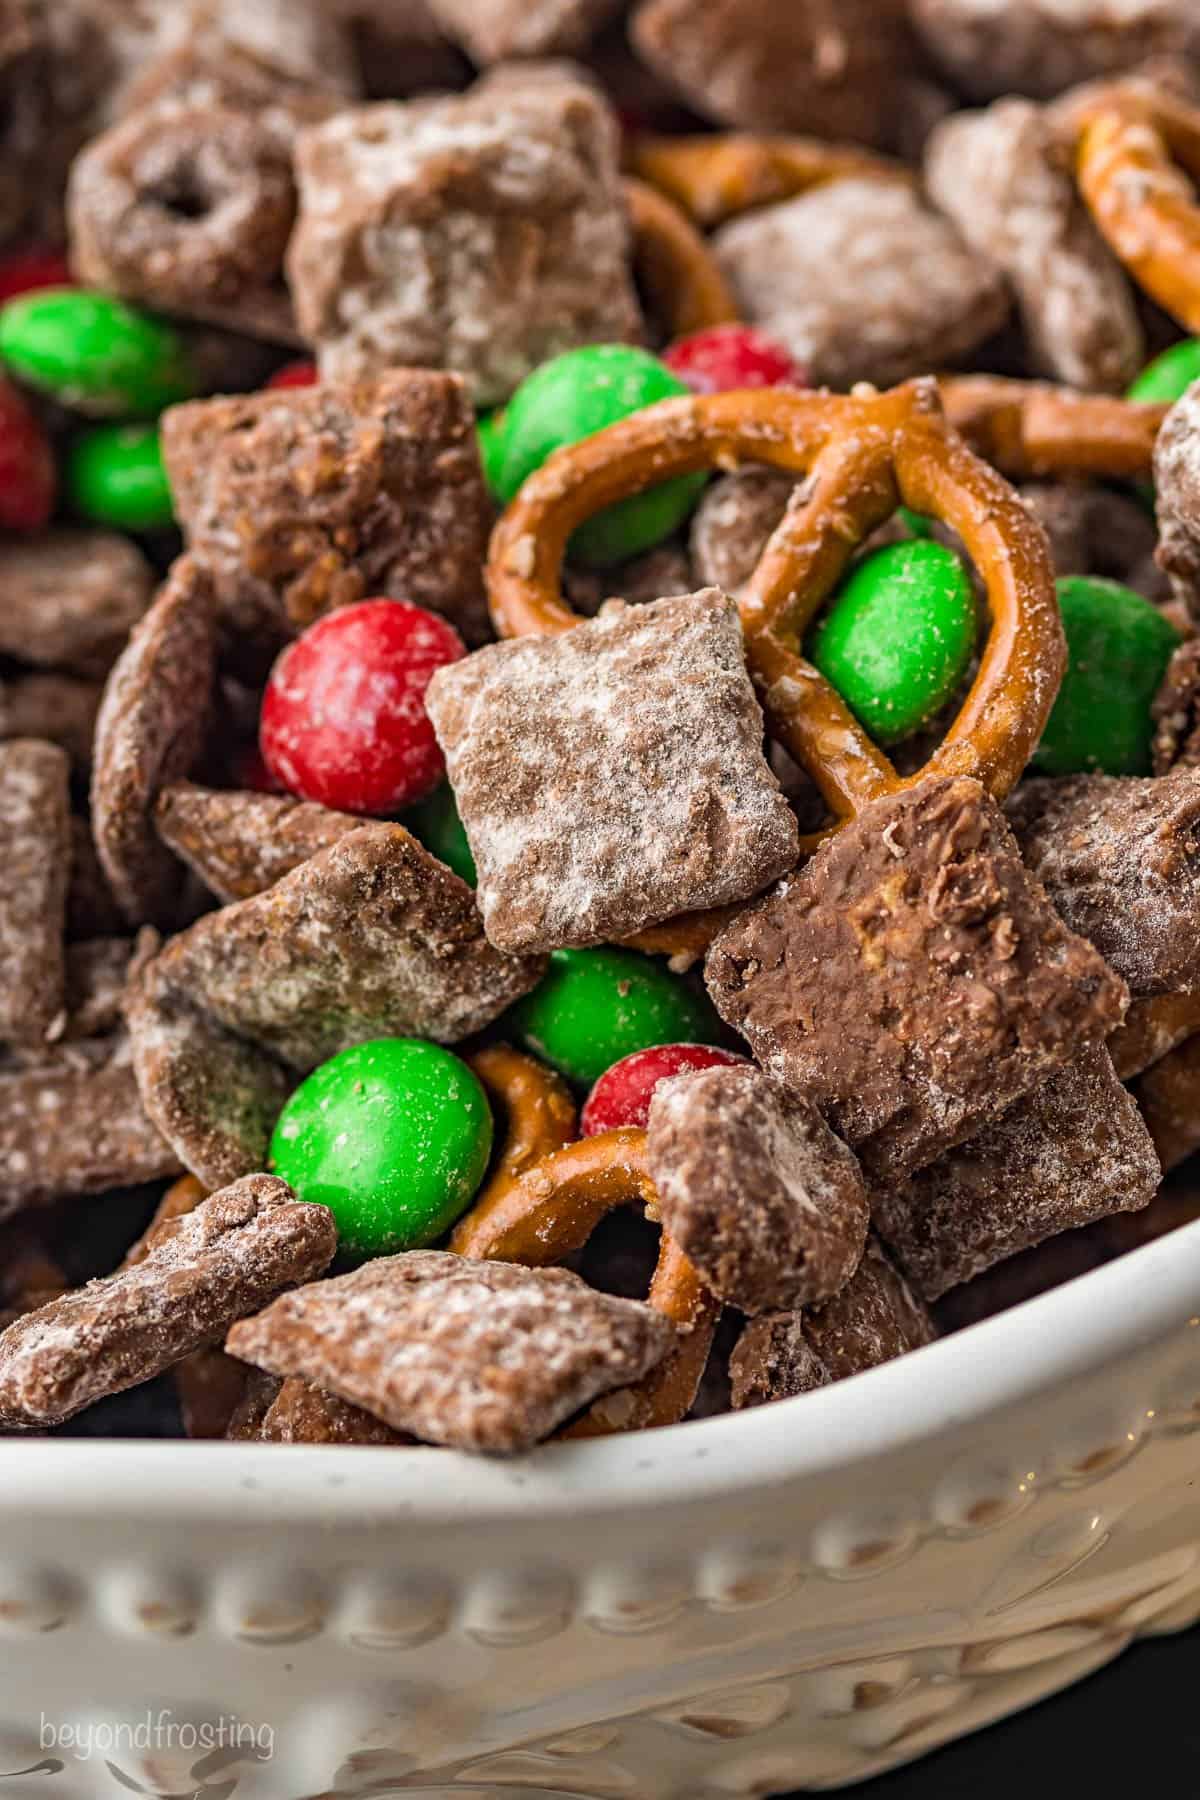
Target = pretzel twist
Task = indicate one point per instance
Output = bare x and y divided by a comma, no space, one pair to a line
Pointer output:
862,456
675,265
1032,429
1136,148
714,177
543,1201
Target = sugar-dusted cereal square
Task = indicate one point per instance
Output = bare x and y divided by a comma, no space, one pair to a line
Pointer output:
612,777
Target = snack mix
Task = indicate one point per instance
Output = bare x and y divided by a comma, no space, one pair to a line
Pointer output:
598,611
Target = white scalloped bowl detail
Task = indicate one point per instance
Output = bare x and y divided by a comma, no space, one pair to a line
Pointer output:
795,1597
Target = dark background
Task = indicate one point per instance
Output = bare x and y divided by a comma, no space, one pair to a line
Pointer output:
1133,1731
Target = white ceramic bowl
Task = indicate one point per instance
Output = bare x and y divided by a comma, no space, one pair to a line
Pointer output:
793,1597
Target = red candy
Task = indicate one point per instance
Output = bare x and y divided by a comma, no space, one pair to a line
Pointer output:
343,718
623,1093
29,270
28,477
726,357
301,373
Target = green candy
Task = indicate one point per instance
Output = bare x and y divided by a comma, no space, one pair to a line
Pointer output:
573,397
596,1006
393,1137
1118,648
898,636
492,439
115,476
94,354
436,822
916,524
1169,376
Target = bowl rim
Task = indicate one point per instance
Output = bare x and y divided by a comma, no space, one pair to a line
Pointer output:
1058,1337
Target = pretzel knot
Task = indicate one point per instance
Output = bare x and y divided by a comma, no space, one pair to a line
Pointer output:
718,175
1136,148
543,1201
1033,429
674,264
862,456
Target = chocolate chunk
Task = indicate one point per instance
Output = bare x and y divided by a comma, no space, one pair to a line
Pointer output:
35,831
1120,859
1177,498
755,1188
241,843
613,776
213,1097
873,1319
1040,47
226,1259
1176,712
303,1414
150,731
299,500
1169,1096
73,1124
71,598
370,938
1151,1030
1005,178
861,282
834,70
480,1356
1072,1152
62,709
492,30
483,233
913,979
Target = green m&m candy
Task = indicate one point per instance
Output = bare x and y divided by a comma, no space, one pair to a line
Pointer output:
95,354
1118,648
595,1006
898,636
490,428
436,823
573,397
1169,376
392,1136
115,476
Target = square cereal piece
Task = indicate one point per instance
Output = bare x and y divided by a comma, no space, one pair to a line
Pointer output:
492,30
483,233
35,829
1119,855
861,282
302,499
913,979
477,1355
1072,1152
613,776
71,598
226,1259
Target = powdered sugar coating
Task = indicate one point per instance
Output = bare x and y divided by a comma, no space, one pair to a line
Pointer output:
1004,177
491,30
482,233
755,1188
1176,712
227,1258
1072,1152
302,499
213,1097
61,709
150,731
861,282
1177,498
1120,859
73,1124
71,598
240,843
835,68
1040,47
733,522
370,938
303,1414
36,834
613,776
480,1356
913,979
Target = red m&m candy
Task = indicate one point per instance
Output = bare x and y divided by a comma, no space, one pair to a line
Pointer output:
343,718
623,1093
726,357
298,374
27,470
